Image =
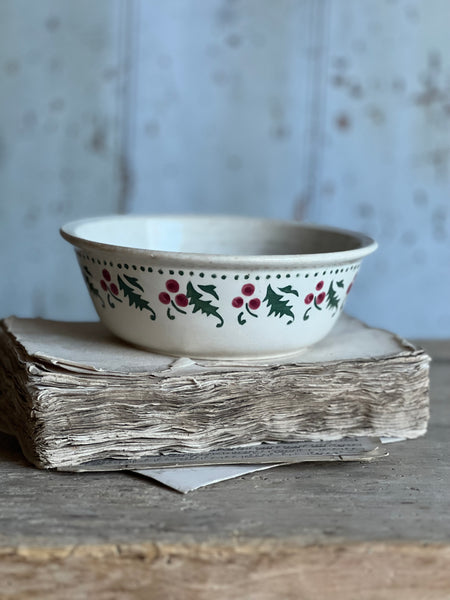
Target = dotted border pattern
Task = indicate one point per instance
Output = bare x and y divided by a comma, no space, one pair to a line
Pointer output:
201,274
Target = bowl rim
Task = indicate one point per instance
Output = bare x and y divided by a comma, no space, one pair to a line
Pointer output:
196,259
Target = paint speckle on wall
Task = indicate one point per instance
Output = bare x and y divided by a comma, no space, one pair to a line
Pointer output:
343,122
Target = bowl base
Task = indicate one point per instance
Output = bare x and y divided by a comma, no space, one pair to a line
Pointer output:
219,357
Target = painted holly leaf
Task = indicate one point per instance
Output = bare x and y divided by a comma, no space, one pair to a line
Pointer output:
134,299
332,297
94,291
134,282
289,290
340,283
199,303
279,307
210,289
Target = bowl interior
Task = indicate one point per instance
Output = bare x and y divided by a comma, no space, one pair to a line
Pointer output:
215,235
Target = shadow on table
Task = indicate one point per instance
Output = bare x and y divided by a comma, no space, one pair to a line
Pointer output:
10,450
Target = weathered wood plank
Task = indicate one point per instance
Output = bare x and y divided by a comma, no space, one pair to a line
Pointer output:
251,571
341,531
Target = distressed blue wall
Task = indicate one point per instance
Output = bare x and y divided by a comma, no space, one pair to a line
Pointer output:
324,110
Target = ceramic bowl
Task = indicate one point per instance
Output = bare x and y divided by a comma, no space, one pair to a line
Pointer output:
216,287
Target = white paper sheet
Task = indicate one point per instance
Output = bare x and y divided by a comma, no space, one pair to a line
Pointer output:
187,479
88,347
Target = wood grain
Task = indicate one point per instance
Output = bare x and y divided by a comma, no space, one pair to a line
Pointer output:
338,531
252,571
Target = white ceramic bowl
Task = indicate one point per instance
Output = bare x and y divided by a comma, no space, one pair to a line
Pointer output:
216,287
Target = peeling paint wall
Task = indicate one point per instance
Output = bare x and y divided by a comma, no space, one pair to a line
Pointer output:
325,110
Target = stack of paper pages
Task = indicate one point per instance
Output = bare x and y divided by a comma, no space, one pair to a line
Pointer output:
72,393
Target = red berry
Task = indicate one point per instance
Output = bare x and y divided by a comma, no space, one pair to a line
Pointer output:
319,286
248,289
164,298
103,284
172,286
320,298
254,303
237,302
106,274
349,287
309,298
181,300
114,289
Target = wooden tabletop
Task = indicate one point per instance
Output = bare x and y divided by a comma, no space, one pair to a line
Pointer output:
324,531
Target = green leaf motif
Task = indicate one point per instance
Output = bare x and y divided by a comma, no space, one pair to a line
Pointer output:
134,282
134,299
197,300
279,307
210,289
340,283
332,297
94,291
289,290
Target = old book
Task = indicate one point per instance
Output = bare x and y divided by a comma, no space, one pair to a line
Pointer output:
72,393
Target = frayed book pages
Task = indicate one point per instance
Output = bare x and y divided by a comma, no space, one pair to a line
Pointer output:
72,393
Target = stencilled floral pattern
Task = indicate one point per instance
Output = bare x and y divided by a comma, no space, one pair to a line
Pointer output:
134,292
202,303
89,279
279,304
315,299
111,289
177,297
197,300
171,298
127,286
249,303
